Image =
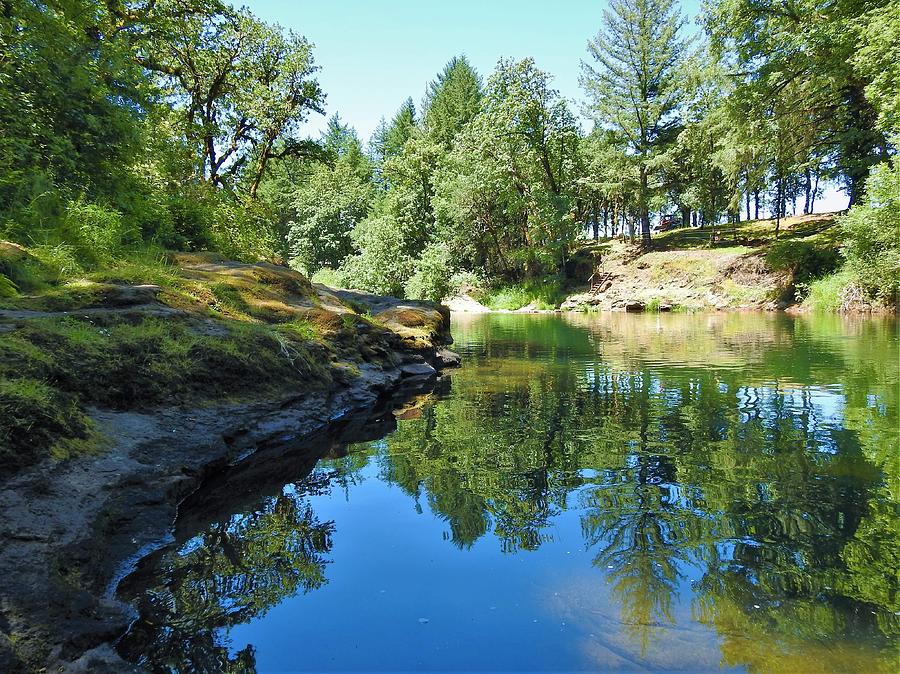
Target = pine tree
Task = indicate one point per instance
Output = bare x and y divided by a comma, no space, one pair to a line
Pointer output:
637,85
452,100
401,128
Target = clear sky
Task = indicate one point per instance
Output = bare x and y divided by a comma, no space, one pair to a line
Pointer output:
373,54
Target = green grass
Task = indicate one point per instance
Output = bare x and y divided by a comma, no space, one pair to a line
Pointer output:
547,295
826,294
748,233
52,369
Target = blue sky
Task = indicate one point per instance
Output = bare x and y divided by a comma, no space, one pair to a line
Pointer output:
373,54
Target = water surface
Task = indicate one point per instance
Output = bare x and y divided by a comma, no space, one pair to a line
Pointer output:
619,493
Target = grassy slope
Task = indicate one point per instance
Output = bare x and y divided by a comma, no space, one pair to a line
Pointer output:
156,329
730,266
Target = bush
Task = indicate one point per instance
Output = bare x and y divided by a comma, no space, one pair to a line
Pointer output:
828,294
540,295
96,232
804,260
381,266
431,280
468,282
329,277
244,231
872,229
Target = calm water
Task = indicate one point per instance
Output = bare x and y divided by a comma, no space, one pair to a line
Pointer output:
620,493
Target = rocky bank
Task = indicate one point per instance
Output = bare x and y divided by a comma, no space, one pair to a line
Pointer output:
73,528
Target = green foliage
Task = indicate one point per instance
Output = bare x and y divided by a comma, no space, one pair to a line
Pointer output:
873,235
543,295
877,60
329,277
400,130
382,265
798,65
828,294
432,275
504,195
452,100
329,204
805,260
632,92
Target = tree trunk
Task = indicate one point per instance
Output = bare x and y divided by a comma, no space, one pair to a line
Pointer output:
779,203
748,204
812,199
807,186
645,213
685,216
605,222
756,204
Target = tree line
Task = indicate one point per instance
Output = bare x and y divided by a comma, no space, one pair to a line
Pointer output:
180,124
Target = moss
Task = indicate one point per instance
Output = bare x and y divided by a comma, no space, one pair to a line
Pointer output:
7,287
300,329
25,272
242,331
52,369
34,417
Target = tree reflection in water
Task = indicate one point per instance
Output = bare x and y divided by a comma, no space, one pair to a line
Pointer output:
747,463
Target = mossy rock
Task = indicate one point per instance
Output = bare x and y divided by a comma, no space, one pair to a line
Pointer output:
418,326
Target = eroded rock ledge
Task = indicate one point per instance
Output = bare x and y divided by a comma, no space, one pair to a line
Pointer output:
72,529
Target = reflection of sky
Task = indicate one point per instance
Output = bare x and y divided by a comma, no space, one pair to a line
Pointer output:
400,593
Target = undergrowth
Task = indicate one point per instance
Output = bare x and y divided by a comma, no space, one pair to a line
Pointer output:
52,369
539,295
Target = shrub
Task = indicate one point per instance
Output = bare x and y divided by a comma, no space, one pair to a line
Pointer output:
468,282
803,259
96,232
381,266
540,295
431,279
873,235
828,294
329,277
244,231
191,215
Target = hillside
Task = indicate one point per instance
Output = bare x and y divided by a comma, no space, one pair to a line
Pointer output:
727,267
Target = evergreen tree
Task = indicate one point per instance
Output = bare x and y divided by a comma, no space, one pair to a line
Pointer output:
637,84
452,100
401,129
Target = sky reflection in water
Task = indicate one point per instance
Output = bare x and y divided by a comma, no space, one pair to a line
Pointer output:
703,493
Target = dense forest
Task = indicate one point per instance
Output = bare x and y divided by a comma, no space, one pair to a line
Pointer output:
131,128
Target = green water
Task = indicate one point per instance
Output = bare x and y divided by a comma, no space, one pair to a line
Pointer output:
617,493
